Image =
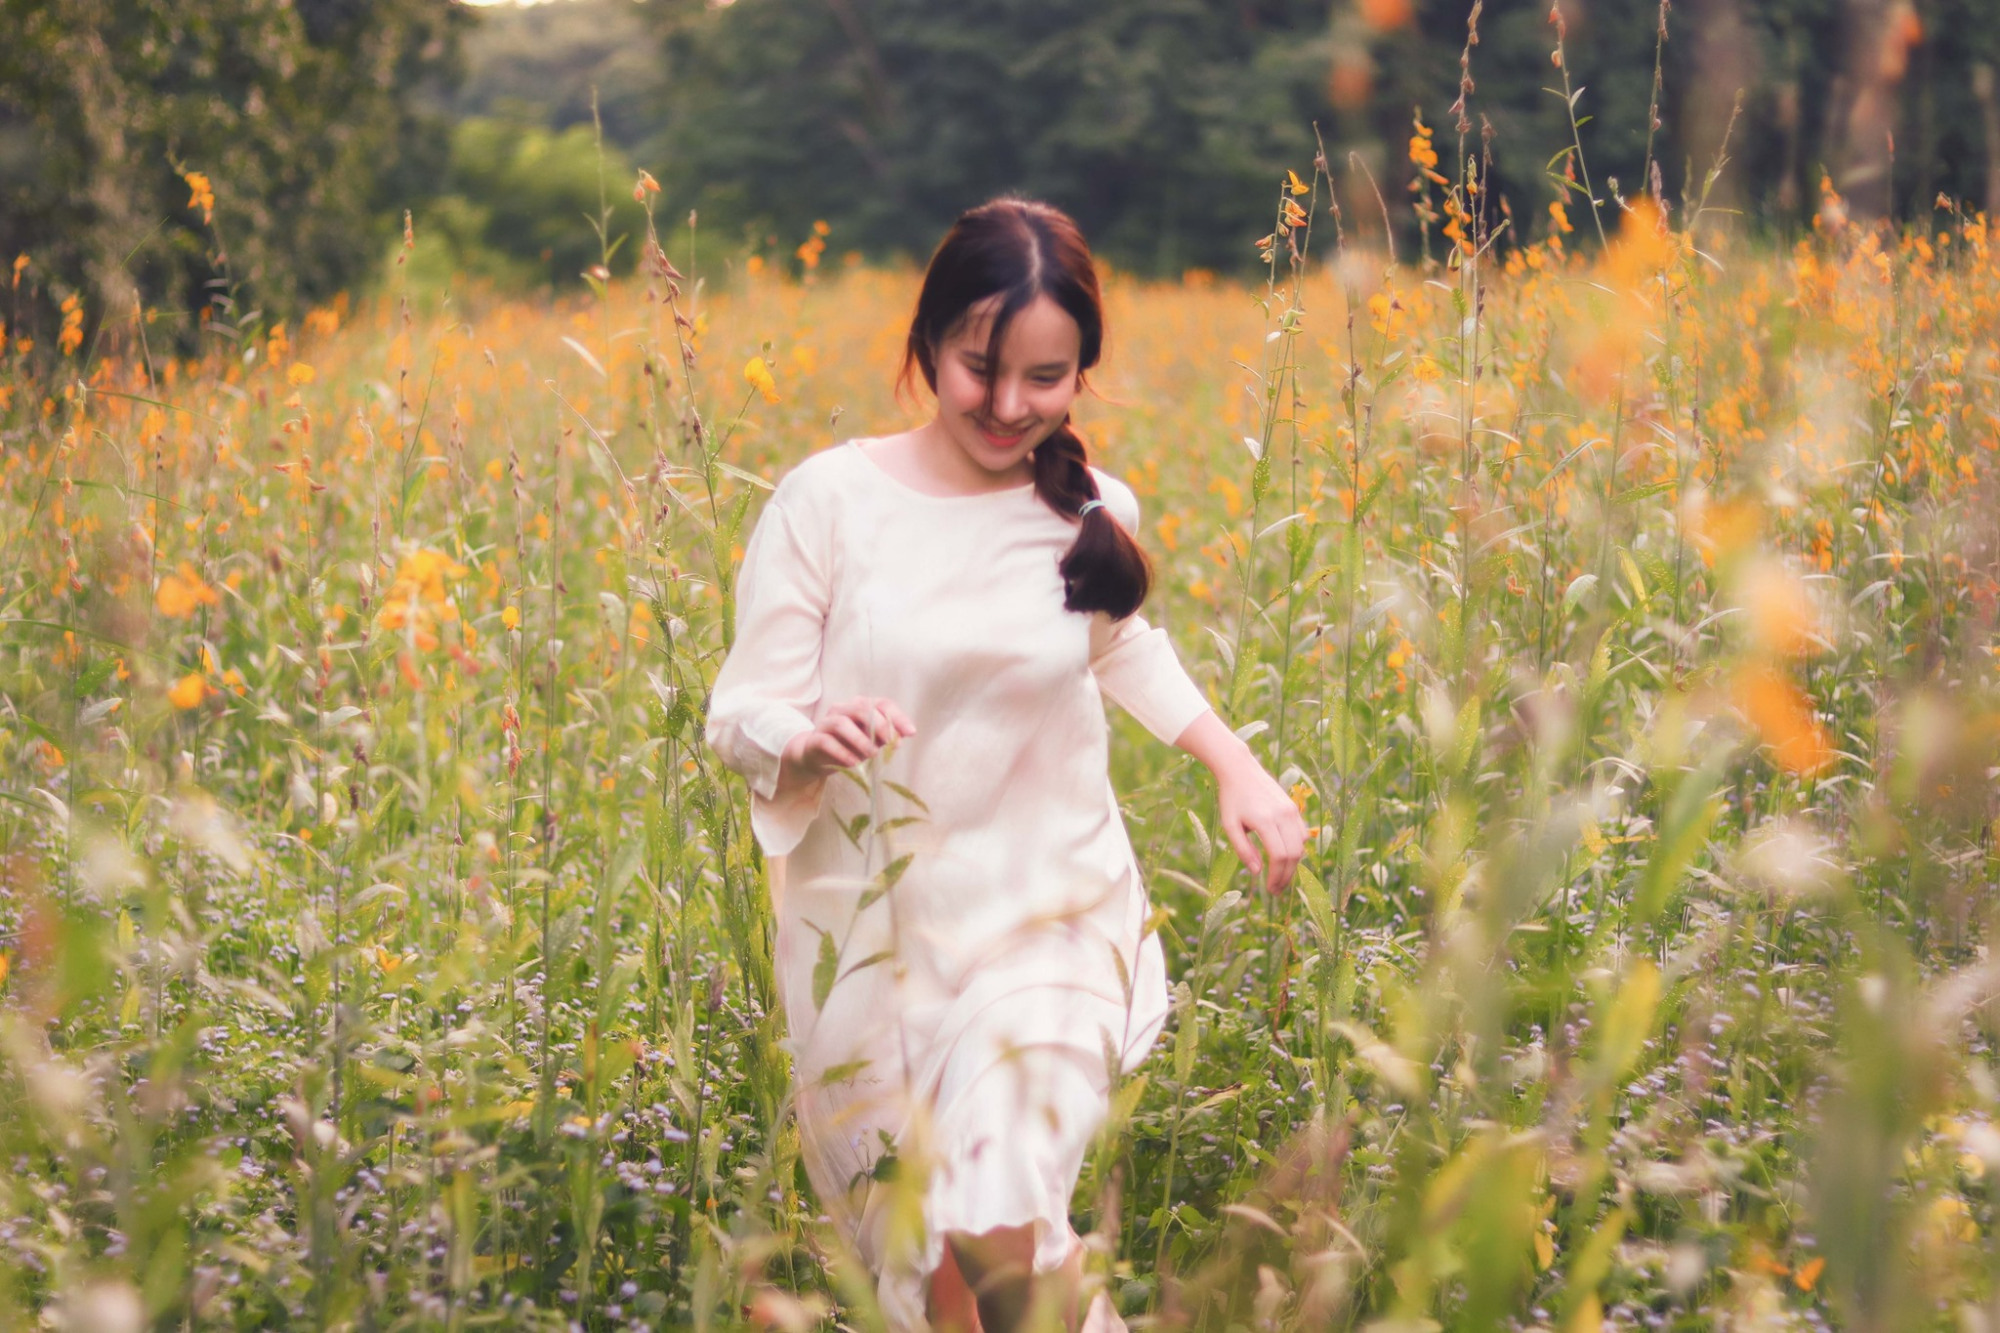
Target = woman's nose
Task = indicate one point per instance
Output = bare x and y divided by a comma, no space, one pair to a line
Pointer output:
1007,401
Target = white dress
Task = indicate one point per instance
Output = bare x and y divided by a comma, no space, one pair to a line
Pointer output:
961,951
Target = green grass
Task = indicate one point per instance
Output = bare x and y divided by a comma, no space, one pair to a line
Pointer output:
418,974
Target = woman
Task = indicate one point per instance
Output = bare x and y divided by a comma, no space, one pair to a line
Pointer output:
925,623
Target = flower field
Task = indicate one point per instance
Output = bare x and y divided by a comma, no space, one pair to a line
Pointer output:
381,948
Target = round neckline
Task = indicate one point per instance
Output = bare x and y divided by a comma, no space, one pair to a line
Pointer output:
908,489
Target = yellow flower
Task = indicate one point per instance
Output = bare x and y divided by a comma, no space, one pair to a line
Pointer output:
511,617
1294,184
758,376
300,373
188,692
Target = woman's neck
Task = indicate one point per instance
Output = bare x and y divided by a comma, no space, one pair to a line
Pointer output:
925,460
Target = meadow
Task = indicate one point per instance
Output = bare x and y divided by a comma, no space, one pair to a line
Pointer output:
380,947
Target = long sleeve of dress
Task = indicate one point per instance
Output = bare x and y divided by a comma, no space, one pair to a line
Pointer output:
1134,662
1137,669
769,686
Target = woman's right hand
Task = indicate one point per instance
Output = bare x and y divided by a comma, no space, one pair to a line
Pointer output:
846,734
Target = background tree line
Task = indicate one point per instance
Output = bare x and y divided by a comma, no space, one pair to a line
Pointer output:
1164,125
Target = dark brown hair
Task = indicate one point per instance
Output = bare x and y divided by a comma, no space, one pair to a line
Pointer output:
1019,249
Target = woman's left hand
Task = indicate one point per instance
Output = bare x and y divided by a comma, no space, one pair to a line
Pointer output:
1251,801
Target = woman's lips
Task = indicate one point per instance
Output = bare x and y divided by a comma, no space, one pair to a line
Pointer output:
999,441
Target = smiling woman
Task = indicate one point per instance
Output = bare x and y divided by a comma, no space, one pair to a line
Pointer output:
962,949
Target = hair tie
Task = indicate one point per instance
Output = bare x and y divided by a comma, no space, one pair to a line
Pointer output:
1089,505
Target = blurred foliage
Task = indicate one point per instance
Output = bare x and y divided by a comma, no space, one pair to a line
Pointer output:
538,64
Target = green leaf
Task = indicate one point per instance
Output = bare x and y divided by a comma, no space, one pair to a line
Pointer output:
1319,903
1579,588
1600,667
1638,493
1187,1036
882,956
825,968
894,870
841,1073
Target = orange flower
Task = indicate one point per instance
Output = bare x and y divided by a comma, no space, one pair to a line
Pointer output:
1643,246
1783,622
418,600
1781,714
1383,15
1722,530
758,376
188,691
71,336
201,195
182,591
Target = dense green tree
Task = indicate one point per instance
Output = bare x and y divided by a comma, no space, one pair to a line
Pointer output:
520,204
1163,125
299,114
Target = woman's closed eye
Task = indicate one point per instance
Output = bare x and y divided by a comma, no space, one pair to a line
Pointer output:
1043,379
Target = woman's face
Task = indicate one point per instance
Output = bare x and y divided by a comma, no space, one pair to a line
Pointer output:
1033,385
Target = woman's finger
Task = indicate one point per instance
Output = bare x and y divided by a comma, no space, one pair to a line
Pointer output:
867,716
1295,838
830,752
859,711
1239,841
1283,854
888,729
897,717
851,735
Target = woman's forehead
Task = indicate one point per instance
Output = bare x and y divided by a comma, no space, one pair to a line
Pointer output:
1042,326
